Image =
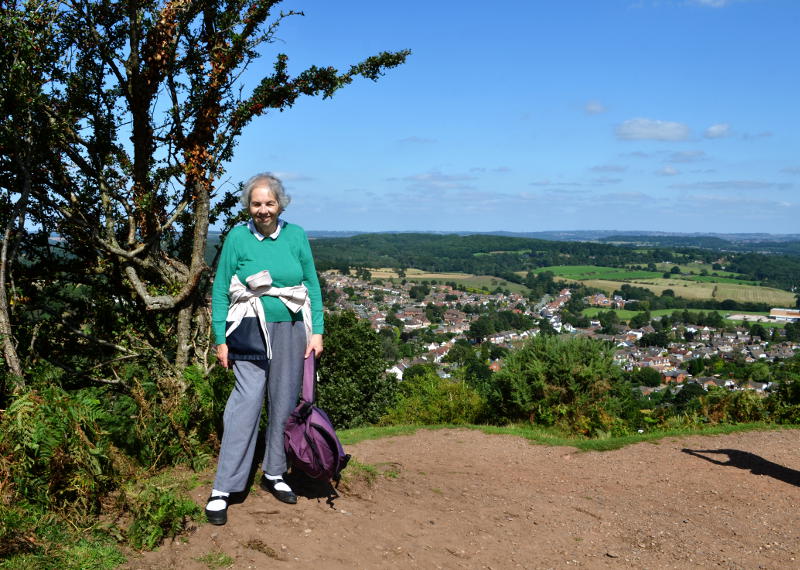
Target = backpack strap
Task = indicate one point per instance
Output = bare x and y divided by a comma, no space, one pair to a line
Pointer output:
309,377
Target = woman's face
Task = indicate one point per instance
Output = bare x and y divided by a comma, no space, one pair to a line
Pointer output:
264,209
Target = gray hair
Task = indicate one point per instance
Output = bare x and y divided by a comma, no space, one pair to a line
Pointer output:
270,181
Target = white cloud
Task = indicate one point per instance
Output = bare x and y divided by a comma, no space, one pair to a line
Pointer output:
668,171
495,170
711,3
652,129
550,183
754,136
718,131
606,180
292,176
626,197
791,170
609,168
687,156
594,108
734,185
436,180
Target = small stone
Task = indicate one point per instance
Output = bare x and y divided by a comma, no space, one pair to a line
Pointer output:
612,554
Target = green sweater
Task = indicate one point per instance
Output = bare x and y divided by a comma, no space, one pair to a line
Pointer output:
289,261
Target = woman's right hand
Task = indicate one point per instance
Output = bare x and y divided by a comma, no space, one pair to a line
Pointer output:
222,355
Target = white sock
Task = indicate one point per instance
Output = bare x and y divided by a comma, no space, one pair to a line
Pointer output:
279,483
218,504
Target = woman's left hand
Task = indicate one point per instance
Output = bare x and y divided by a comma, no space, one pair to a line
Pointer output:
315,344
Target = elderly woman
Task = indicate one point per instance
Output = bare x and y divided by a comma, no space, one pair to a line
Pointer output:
266,317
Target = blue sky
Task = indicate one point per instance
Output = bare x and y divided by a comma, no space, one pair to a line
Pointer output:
667,115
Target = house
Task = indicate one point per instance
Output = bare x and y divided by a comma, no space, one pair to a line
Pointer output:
676,376
785,315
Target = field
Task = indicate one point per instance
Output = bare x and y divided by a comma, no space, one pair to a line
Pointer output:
712,279
584,272
484,282
610,279
696,290
695,268
626,315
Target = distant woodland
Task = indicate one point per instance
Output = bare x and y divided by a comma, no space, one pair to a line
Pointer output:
502,255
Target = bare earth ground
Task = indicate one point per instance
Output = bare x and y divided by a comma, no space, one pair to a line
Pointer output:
464,499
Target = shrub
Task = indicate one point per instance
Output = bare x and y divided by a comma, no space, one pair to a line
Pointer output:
783,404
353,387
429,399
158,512
58,455
724,406
569,382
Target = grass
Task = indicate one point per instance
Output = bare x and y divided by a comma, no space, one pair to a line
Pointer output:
477,283
712,279
626,314
698,291
93,553
610,279
690,268
691,285
260,546
550,436
584,272
216,560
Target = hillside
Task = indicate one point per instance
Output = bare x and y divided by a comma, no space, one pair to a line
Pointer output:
464,499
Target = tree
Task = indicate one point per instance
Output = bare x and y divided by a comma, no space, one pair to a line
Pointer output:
659,338
757,330
435,313
460,353
354,388
640,320
480,328
687,398
28,50
132,217
609,321
695,366
419,292
646,376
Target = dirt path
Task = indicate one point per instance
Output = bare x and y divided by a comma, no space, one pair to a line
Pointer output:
463,499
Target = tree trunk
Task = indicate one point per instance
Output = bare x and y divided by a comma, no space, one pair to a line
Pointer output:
6,254
184,328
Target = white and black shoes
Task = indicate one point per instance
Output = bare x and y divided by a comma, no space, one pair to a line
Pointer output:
217,508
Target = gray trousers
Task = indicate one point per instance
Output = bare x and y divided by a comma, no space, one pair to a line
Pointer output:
281,377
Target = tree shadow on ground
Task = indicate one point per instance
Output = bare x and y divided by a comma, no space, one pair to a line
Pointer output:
746,460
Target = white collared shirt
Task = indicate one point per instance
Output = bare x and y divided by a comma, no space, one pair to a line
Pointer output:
259,236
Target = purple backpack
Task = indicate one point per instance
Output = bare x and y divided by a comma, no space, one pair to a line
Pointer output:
309,438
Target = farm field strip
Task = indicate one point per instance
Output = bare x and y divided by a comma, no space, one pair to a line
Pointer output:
695,268
487,282
610,279
628,314
583,272
695,290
